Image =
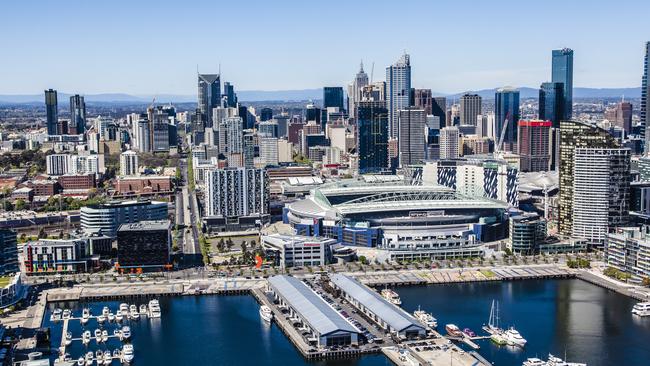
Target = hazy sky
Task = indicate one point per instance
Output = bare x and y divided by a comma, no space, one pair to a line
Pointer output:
147,47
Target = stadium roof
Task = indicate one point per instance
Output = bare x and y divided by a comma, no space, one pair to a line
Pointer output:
311,307
395,317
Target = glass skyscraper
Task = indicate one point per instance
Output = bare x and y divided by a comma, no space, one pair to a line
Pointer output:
551,102
333,97
372,136
506,106
562,72
78,113
209,97
52,112
398,93
229,95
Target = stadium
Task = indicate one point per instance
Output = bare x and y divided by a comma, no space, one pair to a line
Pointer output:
409,221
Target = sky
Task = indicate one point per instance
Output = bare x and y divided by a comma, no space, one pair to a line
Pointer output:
154,47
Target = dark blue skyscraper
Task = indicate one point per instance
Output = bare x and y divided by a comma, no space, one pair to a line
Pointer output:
52,112
229,97
506,107
78,114
266,114
562,72
372,136
551,103
209,97
333,97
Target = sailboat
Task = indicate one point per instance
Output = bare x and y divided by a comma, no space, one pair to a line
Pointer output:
492,326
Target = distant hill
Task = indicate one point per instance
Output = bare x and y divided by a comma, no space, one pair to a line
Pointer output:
295,95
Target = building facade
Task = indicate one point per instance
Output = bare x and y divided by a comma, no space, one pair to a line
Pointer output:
8,252
562,72
398,91
534,146
372,136
449,142
51,112
470,109
506,110
78,113
628,249
209,86
106,218
236,192
551,103
145,245
129,163
412,142
527,232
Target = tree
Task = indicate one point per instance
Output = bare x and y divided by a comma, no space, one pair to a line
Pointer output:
646,281
20,205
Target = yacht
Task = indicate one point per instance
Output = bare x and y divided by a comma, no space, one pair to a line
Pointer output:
498,339
124,309
133,312
119,317
425,318
492,326
126,332
67,314
453,330
108,358
391,296
81,361
468,332
101,318
127,353
641,309
534,361
552,361
154,309
85,316
106,311
111,317
98,335
143,309
89,358
514,338
85,338
56,315
118,334
266,313
68,338
104,335
99,355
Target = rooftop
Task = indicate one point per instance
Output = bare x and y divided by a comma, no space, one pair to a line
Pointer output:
145,225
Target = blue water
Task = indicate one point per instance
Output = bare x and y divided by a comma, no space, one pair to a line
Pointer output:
591,324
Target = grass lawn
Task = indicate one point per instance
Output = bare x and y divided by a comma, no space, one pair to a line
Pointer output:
487,273
4,281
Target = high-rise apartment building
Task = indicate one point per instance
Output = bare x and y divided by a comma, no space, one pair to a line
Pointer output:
57,164
601,192
236,192
412,141
551,103
562,72
470,108
506,109
355,88
534,145
78,114
128,163
449,142
209,97
645,98
372,136
51,112
269,150
159,124
398,93
231,140
573,135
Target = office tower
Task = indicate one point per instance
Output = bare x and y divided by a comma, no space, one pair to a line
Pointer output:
575,135
282,121
562,72
107,217
398,93
470,108
231,140
143,141
266,114
534,145
372,136
57,164
52,111
439,109
485,125
601,192
313,113
229,98
333,97
355,90
236,192
144,244
506,108
412,142
620,116
422,99
551,103
249,149
78,114
449,142
268,129
159,130
8,252
645,98
209,97
128,163
269,150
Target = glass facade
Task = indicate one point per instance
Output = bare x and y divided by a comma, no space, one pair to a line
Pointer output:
51,110
563,73
333,97
506,106
372,136
551,103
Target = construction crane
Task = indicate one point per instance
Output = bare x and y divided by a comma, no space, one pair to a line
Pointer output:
497,149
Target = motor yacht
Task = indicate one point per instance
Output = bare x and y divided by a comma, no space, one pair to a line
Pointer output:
85,338
98,335
641,309
133,312
67,314
425,318
154,309
85,316
126,332
453,330
68,338
514,338
127,353
266,313
56,315
391,296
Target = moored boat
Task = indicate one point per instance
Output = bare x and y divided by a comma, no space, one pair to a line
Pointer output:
514,338
425,318
127,353
85,316
453,330
499,339
391,296
468,332
154,309
641,309
56,315
266,313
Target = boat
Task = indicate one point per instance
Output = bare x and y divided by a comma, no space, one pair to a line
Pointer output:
98,335
143,309
154,309
67,314
104,335
108,358
111,317
85,316
391,296
124,310
266,313
425,318
533,361
68,338
117,353
498,339
641,309
89,358
127,353
81,361
552,361
85,338
126,332
468,332
101,318
99,355
56,315
514,338
493,322
119,317
118,334
133,312
106,311
453,330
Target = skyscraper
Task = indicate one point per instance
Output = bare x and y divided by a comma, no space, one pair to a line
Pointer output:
398,93
551,103
422,99
372,136
52,111
333,97
620,116
470,108
266,114
449,142
506,107
412,141
534,145
562,72
209,97
78,114
231,140
229,97
128,163
439,109
645,98
354,90
575,135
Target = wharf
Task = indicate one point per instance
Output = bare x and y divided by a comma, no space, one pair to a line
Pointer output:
435,352
622,288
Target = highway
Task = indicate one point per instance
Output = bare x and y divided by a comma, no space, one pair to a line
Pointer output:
187,214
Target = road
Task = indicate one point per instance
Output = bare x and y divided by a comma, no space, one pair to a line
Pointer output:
186,212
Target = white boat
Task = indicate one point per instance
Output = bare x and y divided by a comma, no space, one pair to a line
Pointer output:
104,335
56,315
111,317
85,338
101,318
98,335
641,309
425,318
552,361
106,311
108,358
85,316
453,330
127,353
118,334
133,312
67,314
514,338
119,317
89,358
99,355
154,309
81,361
391,296
126,332
266,313
533,361
124,310
493,322
68,338
143,309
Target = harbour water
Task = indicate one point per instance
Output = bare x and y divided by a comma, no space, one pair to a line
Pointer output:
589,323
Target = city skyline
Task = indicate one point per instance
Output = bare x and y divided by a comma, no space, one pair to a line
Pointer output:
522,59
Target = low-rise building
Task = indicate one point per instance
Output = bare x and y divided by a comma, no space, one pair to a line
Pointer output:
107,217
56,256
296,250
527,232
150,184
628,249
